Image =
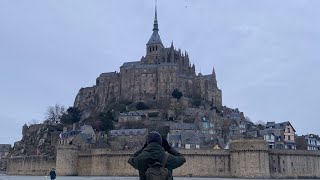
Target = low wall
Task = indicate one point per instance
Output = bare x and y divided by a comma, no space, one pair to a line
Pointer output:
294,164
30,165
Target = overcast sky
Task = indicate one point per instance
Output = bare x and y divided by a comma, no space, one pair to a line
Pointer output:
265,53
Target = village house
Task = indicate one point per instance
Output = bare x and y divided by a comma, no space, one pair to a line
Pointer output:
133,116
84,137
308,142
280,135
127,139
186,139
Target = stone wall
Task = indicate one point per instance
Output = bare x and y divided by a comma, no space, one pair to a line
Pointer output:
294,164
245,159
205,164
67,160
30,165
249,159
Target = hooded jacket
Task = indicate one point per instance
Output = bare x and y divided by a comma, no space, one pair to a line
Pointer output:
154,152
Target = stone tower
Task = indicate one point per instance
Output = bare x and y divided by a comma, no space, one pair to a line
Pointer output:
249,158
67,160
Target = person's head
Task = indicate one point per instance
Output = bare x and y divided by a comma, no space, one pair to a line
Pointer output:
52,169
154,136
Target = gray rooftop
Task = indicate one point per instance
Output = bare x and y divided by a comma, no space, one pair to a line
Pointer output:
174,137
188,137
127,132
276,132
183,126
155,38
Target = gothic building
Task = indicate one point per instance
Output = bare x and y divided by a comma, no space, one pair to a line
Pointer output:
160,71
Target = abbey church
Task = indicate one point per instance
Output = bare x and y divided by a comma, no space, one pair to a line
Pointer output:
155,76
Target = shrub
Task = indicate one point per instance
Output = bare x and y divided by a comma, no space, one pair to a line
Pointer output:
141,106
176,94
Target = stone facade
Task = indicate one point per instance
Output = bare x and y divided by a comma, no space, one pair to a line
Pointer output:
154,76
244,159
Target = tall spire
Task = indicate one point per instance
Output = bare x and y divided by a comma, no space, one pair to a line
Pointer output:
213,75
155,37
155,24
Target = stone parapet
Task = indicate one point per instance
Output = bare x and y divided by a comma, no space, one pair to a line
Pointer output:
249,145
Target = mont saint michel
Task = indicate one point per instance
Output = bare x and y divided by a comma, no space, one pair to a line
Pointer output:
161,91
154,77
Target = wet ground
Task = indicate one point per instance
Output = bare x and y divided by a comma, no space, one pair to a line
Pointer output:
4,177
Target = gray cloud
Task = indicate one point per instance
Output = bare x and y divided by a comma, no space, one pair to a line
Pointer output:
265,53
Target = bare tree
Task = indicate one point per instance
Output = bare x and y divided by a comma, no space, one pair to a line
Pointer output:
54,113
247,119
260,122
33,121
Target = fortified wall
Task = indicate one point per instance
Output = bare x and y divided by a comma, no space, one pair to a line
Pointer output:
30,165
244,159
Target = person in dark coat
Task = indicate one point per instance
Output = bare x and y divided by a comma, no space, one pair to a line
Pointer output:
154,151
53,174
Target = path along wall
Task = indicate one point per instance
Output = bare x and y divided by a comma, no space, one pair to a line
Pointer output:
30,165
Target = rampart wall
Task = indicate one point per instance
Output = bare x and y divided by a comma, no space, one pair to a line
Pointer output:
30,165
294,164
245,159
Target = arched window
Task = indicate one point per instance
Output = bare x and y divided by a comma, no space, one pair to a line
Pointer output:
150,49
156,48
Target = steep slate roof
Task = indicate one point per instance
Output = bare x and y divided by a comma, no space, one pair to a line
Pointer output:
69,134
276,132
281,125
174,137
138,65
73,133
132,113
127,132
183,126
155,38
86,137
188,137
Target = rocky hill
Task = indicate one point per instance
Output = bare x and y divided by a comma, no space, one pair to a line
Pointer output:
38,139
